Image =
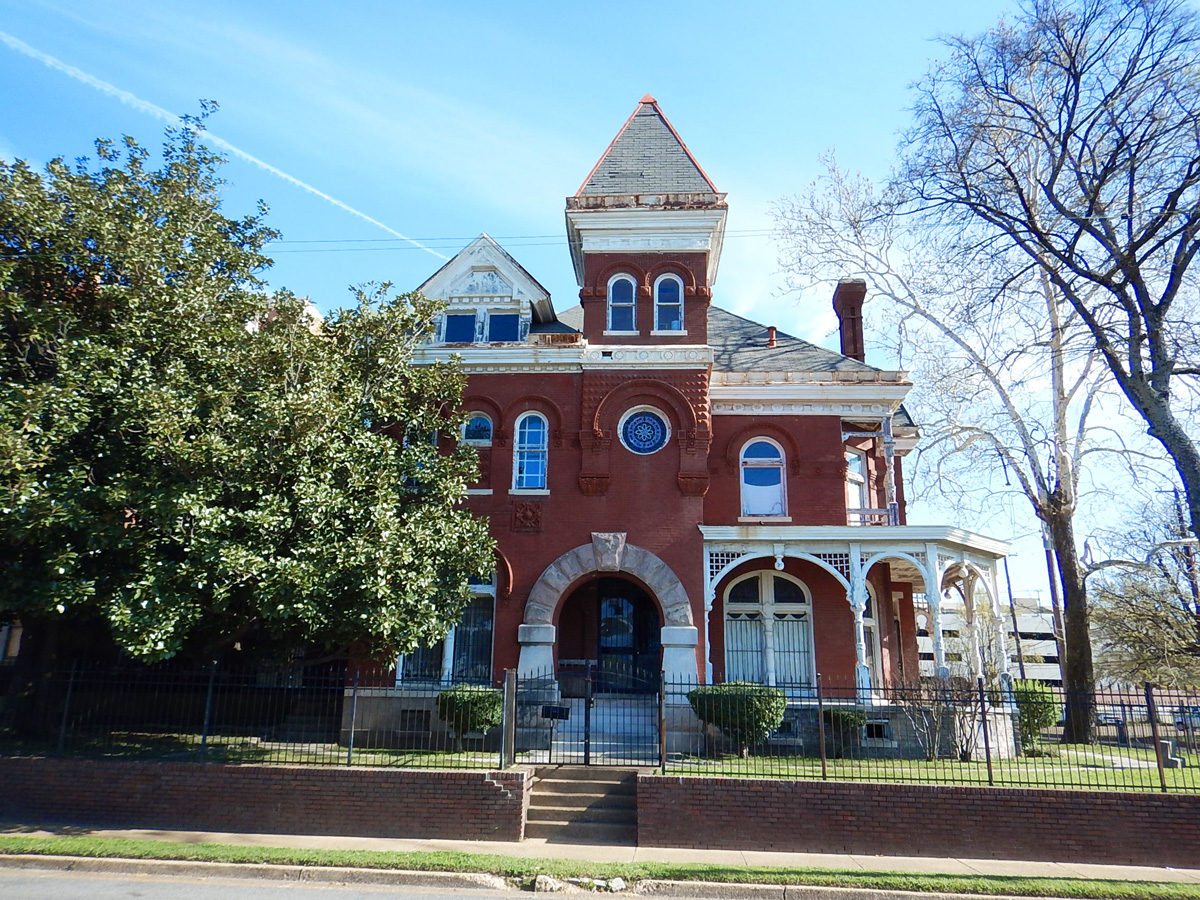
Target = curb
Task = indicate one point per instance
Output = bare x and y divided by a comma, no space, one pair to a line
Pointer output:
712,890
253,871
683,890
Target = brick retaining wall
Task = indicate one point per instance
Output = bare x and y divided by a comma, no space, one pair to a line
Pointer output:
919,820
361,802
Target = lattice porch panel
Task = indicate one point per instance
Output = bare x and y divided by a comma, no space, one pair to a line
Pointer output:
839,561
719,559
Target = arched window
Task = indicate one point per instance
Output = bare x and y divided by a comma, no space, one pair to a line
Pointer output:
668,303
622,294
768,631
763,491
529,458
478,430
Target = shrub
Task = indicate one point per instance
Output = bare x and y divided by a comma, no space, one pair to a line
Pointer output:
1037,710
470,707
745,713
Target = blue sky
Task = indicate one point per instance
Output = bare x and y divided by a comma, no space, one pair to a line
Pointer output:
442,120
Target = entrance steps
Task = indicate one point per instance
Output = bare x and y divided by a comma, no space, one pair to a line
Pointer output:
583,805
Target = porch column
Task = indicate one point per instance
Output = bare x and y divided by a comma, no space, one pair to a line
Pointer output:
858,602
1001,628
537,651
933,596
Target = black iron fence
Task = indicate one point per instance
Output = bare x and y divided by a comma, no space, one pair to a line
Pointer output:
294,714
953,731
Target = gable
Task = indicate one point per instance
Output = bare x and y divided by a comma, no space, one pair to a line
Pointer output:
483,274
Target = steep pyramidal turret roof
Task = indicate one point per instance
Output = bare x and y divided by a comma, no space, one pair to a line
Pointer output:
647,157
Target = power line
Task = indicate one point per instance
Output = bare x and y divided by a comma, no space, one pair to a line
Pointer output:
448,243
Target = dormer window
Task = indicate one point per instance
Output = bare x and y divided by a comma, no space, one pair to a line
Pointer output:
621,308
504,327
460,328
668,304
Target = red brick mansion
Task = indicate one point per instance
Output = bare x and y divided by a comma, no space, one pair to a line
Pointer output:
673,487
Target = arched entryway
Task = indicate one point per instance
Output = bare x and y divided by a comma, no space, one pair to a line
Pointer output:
612,625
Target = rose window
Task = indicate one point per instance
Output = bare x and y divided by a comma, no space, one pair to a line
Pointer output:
644,432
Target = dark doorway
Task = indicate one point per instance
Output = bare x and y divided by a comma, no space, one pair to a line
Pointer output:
611,627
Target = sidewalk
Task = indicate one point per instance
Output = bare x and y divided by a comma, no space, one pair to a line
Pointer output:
533,848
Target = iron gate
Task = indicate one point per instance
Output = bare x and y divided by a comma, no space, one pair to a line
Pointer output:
592,716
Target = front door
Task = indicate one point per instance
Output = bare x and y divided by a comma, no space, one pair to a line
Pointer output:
628,648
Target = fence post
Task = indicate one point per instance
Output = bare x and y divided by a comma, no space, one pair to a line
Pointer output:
587,717
1152,712
353,719
62,725
987,744
208,704
508,721
821,729
662,722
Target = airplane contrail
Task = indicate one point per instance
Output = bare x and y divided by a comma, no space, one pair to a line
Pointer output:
158,112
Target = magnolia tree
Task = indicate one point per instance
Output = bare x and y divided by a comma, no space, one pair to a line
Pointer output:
194,463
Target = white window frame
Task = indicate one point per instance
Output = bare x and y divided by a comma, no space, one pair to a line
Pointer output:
487,325
460,312
621,276
743,464
633,411
768,608
857,488
544,450
657,283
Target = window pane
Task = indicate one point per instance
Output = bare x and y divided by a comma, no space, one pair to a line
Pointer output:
762,501
531,435
856,464
424,663
479,428
762,450
621,292
503,328
622,318
531,453
669,318
669,307
787,591
764,477
668,291
744,591
460,328
793,650
744,647
473,642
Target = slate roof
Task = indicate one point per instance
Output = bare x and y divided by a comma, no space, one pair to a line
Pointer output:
647,157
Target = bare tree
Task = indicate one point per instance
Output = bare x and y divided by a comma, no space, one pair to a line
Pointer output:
1006,377
1147,614
1072,136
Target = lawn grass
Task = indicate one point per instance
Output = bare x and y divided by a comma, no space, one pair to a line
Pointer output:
522,871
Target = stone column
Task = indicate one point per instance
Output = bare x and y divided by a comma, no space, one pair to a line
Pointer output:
679,654
537,651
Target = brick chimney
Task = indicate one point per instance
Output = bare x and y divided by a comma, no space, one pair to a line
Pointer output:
848,303
771,336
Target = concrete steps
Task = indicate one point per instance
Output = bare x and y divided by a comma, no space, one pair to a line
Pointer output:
583,804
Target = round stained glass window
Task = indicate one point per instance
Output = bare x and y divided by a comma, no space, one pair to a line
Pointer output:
644,432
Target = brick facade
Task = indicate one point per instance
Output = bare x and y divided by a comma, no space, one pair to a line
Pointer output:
919,820
359,802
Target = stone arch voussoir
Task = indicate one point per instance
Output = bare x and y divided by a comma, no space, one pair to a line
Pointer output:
608,553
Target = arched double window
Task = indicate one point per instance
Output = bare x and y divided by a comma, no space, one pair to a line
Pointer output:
668,303
529,456
768,631
763,490
622,303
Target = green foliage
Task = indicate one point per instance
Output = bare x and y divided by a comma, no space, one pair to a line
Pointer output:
844,719
195,461
746,713
470,707
1037,710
